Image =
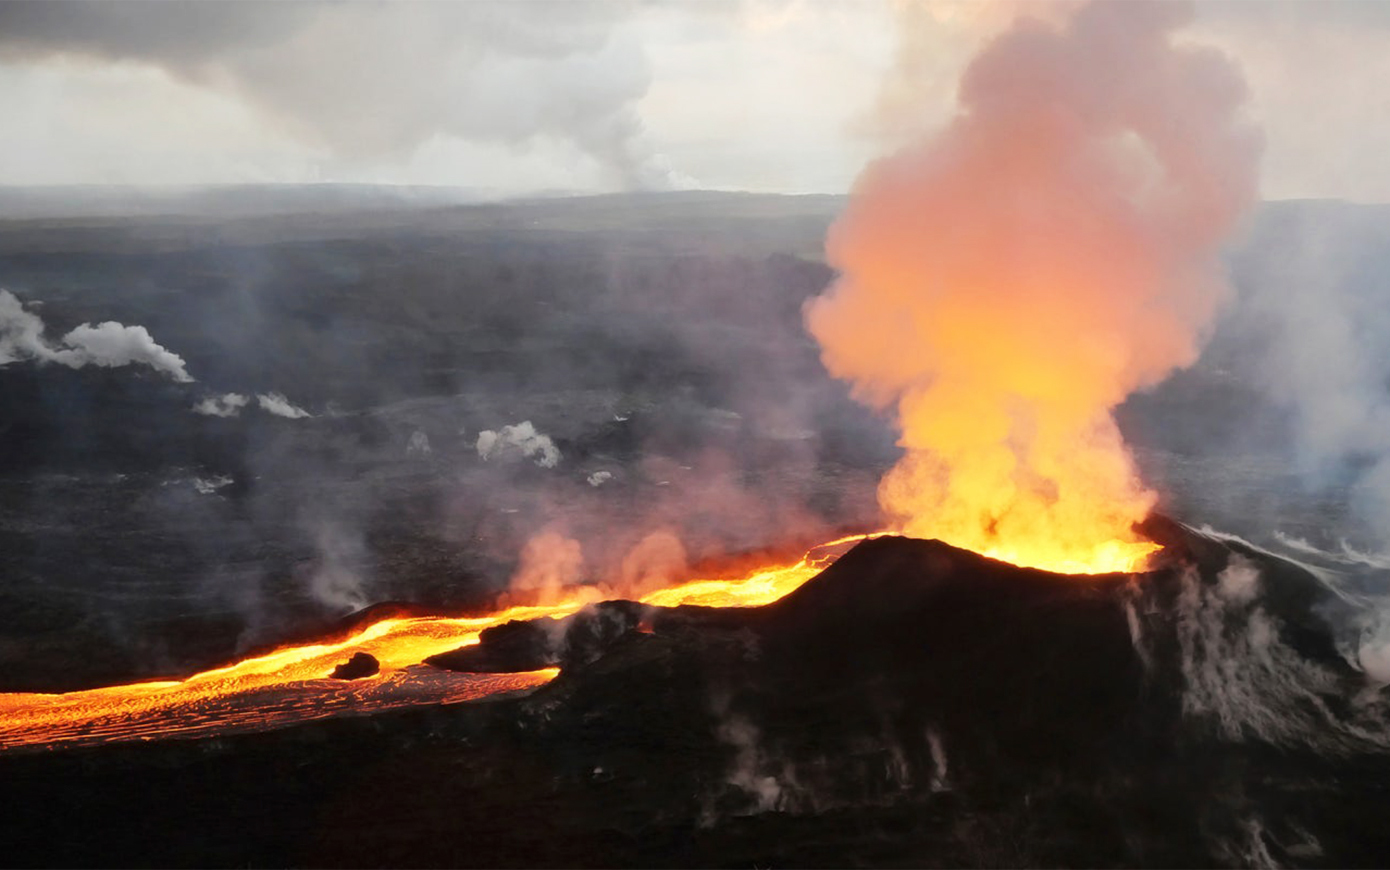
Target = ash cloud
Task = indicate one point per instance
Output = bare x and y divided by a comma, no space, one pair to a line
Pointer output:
108,344
367,81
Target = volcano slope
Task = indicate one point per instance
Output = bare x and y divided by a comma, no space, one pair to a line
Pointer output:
913,705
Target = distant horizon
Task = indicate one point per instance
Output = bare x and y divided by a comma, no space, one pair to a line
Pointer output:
172,187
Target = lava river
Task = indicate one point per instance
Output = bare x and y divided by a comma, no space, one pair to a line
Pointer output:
292,684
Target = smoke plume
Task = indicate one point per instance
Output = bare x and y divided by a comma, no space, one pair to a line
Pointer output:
1006,282
109,344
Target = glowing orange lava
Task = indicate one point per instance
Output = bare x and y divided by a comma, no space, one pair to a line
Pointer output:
292,684
1008,279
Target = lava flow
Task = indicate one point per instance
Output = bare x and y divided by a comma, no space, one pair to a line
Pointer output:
292,684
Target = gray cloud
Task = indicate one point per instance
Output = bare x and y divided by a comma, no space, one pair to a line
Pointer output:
177,35
366,81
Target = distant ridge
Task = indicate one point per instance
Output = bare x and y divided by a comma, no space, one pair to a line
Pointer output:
69,201
241,200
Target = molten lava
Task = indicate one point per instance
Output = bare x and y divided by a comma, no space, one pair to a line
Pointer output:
292,684
1007,281
1082,524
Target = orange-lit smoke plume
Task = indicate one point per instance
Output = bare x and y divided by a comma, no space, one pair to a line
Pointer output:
1006,282
551,570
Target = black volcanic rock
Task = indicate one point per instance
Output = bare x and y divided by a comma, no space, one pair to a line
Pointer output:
594,631
1019,674
915,704
512,646
1054,719
359,666
1025,666
571,642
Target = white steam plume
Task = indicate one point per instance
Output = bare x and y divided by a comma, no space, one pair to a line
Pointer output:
210,485
226,405
21,332
277,404
522,438
338,578
419,444
108,344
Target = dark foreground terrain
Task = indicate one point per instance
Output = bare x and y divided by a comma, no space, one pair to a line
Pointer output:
914,705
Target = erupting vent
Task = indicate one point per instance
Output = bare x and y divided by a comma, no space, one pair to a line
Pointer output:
1006,283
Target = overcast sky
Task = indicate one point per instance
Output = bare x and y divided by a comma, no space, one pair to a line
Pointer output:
515,97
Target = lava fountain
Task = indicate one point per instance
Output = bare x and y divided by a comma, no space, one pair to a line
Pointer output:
1006,282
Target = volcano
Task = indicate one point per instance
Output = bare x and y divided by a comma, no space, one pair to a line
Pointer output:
912,704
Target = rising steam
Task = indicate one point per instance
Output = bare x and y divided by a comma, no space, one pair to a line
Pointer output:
226,405
520,439
277,404
109,344
550,564
1005,283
